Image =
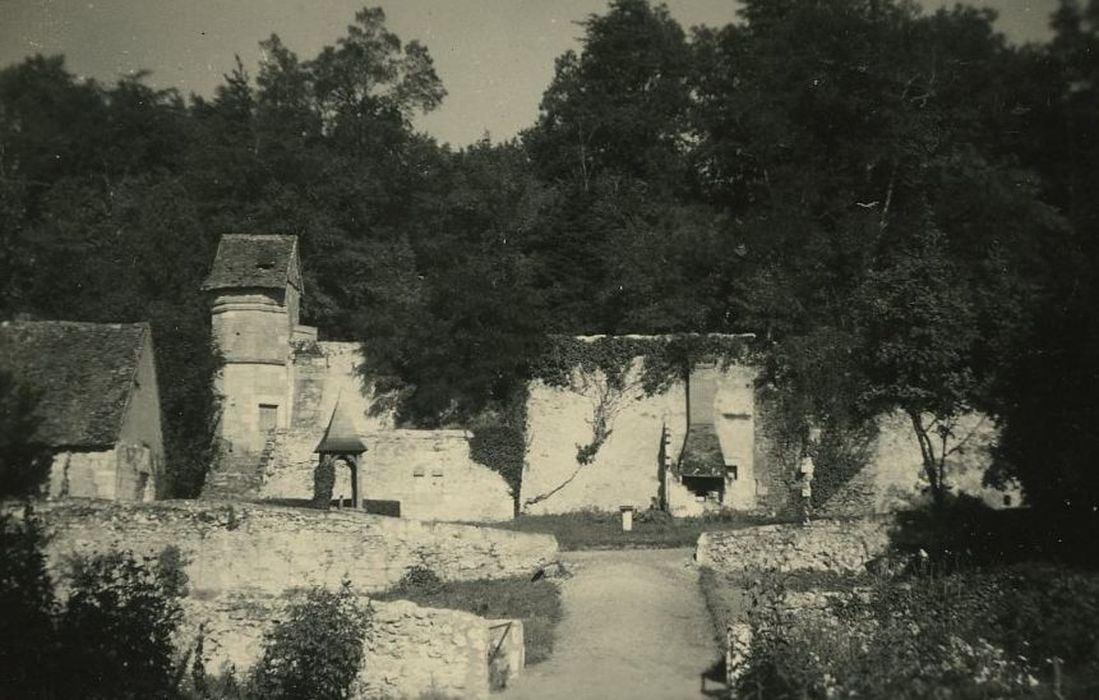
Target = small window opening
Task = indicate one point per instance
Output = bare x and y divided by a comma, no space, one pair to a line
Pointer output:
265,260
268,418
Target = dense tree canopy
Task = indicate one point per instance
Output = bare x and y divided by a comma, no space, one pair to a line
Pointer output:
902,206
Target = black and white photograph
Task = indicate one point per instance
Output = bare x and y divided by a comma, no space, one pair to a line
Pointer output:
549,349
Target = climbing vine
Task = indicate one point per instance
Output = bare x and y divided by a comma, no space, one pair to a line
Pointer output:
499,442
613,367
324,481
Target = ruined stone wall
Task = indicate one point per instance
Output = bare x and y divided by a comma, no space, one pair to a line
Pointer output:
894,478
233,548
83,474
823,545
429,471
625,470
408,650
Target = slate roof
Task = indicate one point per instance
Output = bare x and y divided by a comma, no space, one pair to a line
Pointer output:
701,454
341,434
263,261
83,372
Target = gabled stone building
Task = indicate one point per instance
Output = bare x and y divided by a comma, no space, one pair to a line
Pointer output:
98,404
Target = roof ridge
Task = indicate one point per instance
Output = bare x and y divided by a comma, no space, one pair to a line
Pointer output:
66,322
267,236
146,332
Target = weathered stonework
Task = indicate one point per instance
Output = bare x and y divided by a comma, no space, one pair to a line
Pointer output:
408,650
247,549
99,417
832,545
894,478
429,472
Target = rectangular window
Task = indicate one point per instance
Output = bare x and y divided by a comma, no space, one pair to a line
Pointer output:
268,418
418,470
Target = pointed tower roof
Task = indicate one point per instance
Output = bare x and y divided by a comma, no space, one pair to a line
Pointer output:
341,435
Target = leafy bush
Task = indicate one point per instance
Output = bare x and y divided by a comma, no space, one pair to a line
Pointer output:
27,648
316,651
973,633
116,632
919,639
24,467
324,480
420,577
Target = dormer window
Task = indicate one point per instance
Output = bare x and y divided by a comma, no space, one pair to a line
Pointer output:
265,260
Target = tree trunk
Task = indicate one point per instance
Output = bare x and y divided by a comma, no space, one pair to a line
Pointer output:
933,467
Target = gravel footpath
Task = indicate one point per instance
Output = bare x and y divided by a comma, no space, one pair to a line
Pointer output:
634,626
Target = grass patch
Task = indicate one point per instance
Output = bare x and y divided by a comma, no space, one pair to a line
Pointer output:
651,529
536,603
724,601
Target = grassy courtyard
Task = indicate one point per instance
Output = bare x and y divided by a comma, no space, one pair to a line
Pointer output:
651,529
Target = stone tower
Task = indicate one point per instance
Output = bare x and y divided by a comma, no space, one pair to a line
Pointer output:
254,290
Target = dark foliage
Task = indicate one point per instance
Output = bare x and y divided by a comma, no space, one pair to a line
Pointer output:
324,480
23,465
115,634
316,651
29,654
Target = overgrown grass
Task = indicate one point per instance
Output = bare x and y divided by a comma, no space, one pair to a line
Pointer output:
651,529
724,601
536,603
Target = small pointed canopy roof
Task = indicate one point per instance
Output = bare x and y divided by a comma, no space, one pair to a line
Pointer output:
341,435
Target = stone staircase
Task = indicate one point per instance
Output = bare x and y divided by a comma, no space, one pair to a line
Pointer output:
240,475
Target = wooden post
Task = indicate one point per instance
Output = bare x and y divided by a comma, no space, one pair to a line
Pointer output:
356,485
1058,678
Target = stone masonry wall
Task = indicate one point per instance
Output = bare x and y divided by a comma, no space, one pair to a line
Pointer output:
429,471
408,651
625,470
823,545
894,478
234,548
84,474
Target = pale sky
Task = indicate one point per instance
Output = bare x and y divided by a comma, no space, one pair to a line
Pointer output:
495,57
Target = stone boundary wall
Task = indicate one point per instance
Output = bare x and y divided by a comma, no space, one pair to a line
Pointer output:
408,651
507,646
822,545
256,549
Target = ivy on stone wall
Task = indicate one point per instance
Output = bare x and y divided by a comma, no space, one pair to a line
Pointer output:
618,365
324,481
664,360
843,450
499,442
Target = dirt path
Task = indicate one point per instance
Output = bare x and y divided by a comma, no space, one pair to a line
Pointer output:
635,627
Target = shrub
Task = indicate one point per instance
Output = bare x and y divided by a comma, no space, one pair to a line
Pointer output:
324,480
116,631
920,639
27,606
420,577
316,651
